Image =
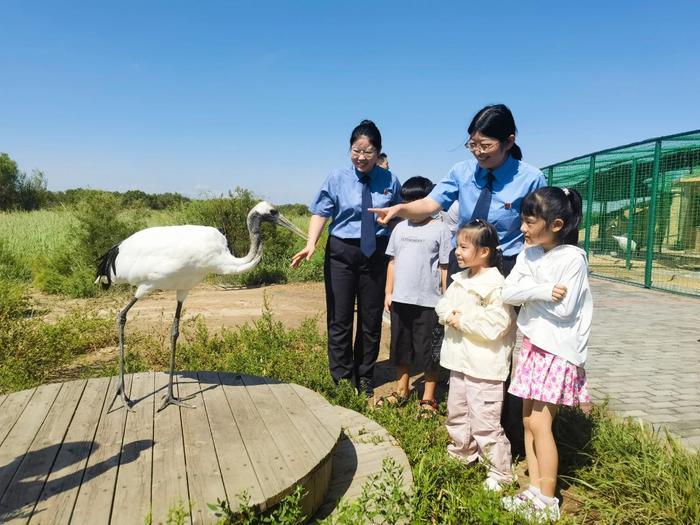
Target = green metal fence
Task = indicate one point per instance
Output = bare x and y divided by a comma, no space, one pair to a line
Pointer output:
641,205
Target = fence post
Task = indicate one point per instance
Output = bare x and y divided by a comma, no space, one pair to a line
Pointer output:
632,209
651,220
589,205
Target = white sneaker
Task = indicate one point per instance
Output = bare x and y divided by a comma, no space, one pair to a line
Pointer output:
492,485
537,511
547,512
514,503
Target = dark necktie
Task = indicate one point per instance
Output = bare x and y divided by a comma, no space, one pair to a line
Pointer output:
368,239
483,203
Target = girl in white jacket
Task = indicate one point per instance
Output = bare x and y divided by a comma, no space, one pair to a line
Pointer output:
479,338
550,281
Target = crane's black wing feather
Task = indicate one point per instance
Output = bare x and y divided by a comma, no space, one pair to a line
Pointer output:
104,263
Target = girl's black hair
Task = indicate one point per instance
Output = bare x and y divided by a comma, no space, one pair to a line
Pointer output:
496,121
369,130
551,203
416,188
484,235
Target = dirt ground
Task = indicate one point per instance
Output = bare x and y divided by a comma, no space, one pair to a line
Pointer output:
221,307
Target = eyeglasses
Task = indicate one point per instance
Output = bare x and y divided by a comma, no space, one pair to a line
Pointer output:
481,148
359,152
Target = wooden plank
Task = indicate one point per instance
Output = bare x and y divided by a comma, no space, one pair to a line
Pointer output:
299,458
236,467
203,474
312,430
94,501
132,499
11,410
170,473
18,502
317,437
24,431
55,504
270,468
323,409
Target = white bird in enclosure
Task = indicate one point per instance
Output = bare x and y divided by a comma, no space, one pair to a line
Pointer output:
622,243
178,258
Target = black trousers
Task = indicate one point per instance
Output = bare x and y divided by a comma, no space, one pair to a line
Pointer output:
512,411
349,275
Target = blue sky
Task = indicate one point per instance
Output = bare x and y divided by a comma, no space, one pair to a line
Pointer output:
201,97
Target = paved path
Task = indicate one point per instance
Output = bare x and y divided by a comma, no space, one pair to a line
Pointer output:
644,355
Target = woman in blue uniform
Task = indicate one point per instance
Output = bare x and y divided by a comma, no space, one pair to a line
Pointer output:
355,261
490,186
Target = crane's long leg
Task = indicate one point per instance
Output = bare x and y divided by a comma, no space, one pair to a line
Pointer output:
121,389
170,399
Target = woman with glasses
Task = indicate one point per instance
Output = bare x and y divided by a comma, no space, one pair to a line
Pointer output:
490,186
355,261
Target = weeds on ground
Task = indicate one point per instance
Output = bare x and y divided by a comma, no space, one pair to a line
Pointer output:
287,512
636,475
383,500
31,350
620,471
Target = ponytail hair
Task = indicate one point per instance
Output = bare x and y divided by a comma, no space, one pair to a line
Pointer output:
551,203
496,121
516,152
484,235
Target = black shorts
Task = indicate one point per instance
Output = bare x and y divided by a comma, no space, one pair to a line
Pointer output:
416,336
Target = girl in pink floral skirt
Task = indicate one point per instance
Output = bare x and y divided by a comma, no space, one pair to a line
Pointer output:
550,281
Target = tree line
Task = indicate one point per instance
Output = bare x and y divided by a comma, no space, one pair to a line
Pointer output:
22,191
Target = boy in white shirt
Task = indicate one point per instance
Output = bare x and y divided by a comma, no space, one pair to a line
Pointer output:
416,279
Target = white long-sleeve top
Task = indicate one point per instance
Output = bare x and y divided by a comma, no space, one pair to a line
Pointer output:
559,327
482,345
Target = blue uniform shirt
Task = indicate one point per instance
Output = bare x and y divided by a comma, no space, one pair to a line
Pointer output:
340,198
514,179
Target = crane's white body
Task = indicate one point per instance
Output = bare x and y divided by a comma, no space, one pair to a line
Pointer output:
175,258
622,242
178,258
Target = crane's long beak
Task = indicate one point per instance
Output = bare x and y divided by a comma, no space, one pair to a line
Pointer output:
283,221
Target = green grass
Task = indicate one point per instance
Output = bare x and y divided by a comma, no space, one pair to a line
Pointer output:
32,351
56,249
26,236
621,472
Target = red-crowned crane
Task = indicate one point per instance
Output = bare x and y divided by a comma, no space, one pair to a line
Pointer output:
178,258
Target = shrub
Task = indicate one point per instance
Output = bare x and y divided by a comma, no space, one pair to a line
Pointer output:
31,350
11,268
99,225
13,301
229,215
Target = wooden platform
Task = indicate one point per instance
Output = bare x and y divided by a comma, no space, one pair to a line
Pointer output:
65,457
360,454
